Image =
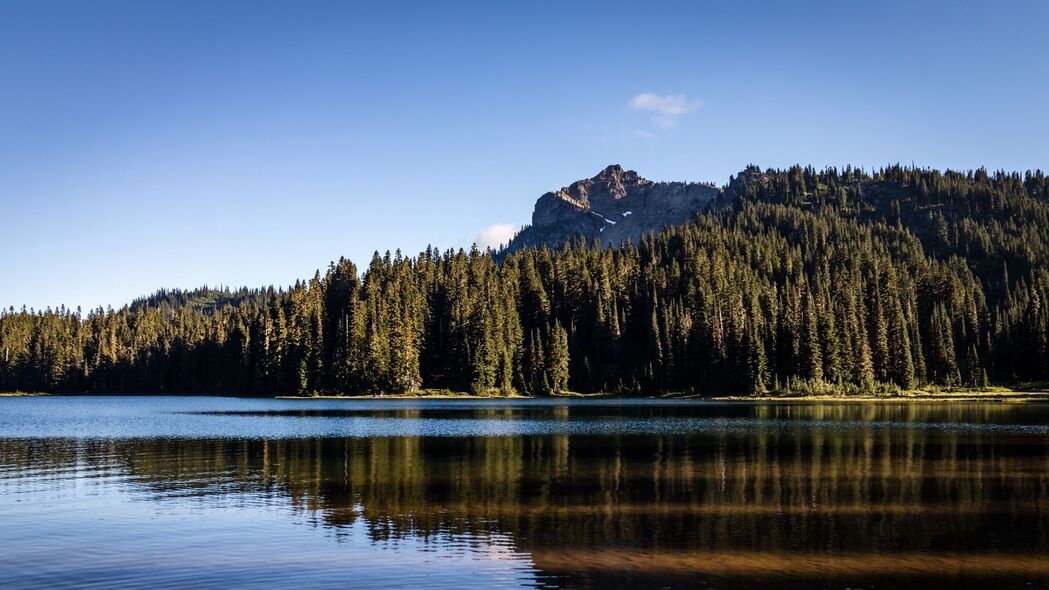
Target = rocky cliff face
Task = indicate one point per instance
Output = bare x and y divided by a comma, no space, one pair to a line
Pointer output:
614,206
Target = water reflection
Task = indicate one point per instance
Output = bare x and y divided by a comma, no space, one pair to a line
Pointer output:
772,501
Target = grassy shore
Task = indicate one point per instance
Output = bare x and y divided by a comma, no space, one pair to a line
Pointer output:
991,394
421,394
958,396
1016,394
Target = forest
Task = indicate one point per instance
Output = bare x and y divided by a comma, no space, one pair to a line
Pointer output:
839,280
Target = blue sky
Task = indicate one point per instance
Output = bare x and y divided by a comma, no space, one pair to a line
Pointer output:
175,144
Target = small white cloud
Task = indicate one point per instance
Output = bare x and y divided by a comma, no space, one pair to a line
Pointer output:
671,105
667,109
496,235
644,134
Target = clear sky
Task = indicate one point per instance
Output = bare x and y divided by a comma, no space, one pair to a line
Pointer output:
174,144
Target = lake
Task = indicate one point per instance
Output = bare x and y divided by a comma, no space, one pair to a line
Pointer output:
259,493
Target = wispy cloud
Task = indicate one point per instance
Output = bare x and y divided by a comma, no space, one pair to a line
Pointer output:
496,235
667,109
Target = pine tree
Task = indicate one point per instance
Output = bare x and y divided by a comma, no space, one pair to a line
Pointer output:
557,353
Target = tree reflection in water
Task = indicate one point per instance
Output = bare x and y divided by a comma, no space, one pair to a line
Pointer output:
797,494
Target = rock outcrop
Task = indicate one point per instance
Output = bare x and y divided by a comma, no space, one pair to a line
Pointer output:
616,205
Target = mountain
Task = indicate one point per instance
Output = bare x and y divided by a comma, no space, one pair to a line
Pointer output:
793,280
615,206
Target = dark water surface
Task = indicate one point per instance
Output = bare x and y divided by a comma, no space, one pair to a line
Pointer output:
219,492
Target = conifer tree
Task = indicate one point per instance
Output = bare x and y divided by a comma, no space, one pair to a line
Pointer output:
558,359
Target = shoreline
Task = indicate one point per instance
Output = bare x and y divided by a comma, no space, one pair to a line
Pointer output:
1001,395
1010,397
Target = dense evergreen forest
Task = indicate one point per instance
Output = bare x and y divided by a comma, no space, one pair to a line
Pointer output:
795,279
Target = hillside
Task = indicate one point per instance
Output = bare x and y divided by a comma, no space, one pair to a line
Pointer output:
202,299
784,280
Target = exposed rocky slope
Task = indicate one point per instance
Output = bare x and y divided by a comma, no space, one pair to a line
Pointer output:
614,206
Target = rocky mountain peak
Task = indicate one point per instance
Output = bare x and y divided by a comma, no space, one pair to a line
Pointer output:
611,184
617,181
613,206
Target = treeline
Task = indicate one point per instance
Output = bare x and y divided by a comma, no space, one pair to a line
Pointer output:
796,279
204,298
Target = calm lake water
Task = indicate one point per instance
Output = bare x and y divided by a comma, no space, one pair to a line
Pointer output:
220,492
